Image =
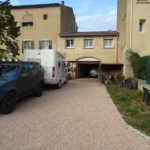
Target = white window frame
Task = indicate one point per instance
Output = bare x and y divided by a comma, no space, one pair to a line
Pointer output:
112,42
28,40
43,45
143,21
88,43
70,43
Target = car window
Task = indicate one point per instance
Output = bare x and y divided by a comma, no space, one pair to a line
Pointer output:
25,70
34,70
8,70
39,69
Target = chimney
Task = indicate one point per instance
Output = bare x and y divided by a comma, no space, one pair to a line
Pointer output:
62,2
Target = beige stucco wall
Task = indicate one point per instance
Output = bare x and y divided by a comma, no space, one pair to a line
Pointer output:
106,55
121,27
128,18
140,40
42,29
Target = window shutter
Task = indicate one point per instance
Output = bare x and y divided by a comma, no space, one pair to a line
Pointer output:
50,44
7,49
16,44
32,44
40,44
23,46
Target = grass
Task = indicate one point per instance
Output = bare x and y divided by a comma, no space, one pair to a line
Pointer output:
130,104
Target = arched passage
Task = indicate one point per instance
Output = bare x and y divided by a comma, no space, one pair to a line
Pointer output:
88,67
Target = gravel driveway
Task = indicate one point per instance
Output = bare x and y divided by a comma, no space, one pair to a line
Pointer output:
79,116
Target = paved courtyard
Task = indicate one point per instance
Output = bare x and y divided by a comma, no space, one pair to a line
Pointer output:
79,116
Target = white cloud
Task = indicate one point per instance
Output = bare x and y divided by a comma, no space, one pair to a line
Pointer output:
14,2
98,21
82,7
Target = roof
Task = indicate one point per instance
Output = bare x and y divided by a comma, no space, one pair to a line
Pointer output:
37,6
95,33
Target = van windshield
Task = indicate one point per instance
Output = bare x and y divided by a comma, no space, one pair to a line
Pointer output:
8,70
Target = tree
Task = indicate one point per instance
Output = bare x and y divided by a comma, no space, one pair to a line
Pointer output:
9,30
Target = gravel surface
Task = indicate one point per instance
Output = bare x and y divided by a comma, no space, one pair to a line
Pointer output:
79,116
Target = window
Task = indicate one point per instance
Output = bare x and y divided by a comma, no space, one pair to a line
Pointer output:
108,42
27,44
88,43
25,70
8,70
45,44
8,49
27,24
39,69
34,70
58,64
142,25
45,17
70,43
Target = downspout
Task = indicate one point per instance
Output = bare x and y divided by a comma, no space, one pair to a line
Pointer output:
117,49
131,28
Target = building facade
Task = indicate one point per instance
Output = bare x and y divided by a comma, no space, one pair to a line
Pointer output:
86,49
133,24
40,25
53,26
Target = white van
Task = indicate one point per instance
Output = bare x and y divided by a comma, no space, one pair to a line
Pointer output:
53,62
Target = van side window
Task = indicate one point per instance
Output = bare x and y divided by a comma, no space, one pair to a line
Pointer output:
58,64
64,65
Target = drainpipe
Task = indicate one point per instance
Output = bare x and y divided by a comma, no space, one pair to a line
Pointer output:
117,48
131,28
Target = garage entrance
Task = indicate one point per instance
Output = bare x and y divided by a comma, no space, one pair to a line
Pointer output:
84,70
83,66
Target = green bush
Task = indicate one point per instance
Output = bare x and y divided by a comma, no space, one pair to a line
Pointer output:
141,68
120,77
139,65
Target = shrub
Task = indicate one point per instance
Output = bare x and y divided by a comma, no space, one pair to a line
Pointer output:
120,77
139,65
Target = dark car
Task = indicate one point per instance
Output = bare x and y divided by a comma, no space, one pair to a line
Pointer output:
18,79
94,72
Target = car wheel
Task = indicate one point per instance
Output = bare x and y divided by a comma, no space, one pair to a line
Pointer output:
66,80
59,85
39,90
8,103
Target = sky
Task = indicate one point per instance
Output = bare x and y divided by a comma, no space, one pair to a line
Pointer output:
91,15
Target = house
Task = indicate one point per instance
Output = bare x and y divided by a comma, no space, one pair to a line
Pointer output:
133,25
41,23
53,26
85,50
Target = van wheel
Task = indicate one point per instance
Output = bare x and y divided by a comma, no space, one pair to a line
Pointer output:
59,85
66,81
8,104
39,90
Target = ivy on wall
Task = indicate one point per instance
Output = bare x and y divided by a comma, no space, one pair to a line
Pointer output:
139,65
